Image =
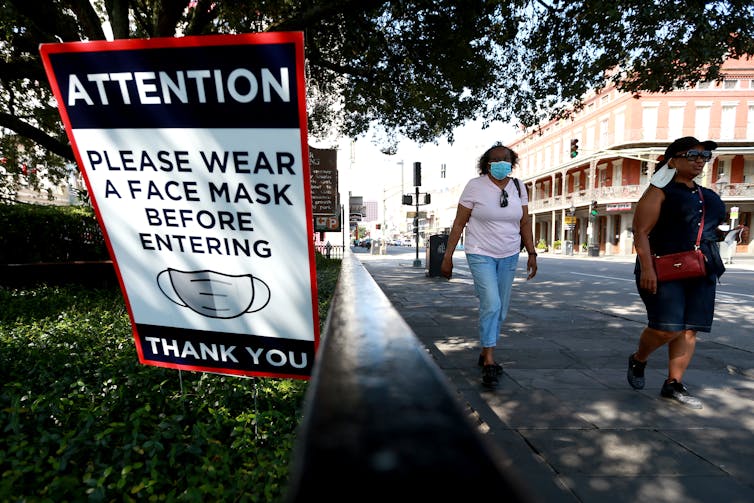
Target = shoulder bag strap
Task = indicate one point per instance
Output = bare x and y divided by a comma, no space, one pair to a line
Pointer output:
701,223
518,187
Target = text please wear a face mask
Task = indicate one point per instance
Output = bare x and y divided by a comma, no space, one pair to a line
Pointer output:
500,169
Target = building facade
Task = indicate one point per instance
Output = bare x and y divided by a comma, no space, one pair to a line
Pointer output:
585,174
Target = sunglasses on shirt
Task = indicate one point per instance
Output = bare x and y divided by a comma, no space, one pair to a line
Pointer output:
503,199
693,155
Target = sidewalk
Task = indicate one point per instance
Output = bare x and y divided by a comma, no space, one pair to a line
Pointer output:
563,413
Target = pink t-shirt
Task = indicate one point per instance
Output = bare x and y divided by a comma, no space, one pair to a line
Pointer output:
492,230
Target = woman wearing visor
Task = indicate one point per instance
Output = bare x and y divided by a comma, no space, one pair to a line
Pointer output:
667,220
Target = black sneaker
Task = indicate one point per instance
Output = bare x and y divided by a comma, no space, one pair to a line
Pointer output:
489,376
635,373
678,392
498,367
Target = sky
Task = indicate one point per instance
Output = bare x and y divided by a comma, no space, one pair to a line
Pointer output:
365,171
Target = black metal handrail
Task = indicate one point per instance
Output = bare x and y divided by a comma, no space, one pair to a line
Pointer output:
381,422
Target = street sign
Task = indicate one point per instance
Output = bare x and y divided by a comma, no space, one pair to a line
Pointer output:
194,152
324,181
329,223
570,220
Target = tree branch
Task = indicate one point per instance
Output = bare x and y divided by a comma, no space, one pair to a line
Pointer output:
89,21
310,16
37,135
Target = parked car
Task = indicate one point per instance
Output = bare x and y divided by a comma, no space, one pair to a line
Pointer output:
364,243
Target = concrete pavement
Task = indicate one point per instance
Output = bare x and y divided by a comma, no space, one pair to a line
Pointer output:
564,415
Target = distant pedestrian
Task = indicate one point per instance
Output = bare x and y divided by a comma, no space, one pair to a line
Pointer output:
495,207
667,221
732,238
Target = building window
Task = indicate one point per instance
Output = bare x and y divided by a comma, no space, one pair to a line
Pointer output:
566,150
590,138
576,181
704,85
750,123
675,121
620,127
443,170
730,84
604,133
748,170
728,122
721,171
701,121
602,177
649,122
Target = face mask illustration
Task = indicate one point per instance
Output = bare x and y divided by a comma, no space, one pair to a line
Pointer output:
214,294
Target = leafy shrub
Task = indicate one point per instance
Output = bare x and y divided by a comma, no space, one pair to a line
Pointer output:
36,233
82,418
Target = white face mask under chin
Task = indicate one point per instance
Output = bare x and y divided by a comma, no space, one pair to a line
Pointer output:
662,176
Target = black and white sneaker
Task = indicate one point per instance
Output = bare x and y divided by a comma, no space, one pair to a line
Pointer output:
635,373
676,391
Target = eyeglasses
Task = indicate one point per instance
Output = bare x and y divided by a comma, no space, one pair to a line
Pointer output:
693,155
503,199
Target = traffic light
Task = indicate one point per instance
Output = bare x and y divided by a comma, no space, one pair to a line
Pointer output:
417,174
408,200
427,198
593,210
574,148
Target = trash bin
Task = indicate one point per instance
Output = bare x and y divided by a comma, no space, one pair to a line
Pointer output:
435,251
568,247
593,251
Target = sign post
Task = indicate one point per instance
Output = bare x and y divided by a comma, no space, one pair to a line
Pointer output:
194,151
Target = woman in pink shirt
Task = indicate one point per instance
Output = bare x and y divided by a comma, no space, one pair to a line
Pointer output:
494,210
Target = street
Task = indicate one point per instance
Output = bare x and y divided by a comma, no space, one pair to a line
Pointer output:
606,285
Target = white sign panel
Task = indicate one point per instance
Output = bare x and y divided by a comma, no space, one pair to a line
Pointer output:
194,151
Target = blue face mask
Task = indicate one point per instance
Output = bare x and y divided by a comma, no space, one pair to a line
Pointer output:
500,169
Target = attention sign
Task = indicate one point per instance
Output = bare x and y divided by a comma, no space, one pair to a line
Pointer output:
194,152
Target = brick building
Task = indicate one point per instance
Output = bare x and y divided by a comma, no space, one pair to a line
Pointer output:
618,138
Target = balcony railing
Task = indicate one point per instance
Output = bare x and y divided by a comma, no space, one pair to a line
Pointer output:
626,193
738,190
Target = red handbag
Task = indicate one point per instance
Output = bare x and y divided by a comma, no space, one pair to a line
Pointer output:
681,265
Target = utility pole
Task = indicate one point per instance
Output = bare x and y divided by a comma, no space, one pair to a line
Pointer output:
417,183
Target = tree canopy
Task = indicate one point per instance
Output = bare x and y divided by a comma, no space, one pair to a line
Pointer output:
411,68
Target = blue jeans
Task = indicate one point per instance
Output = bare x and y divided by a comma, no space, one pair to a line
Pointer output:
493,281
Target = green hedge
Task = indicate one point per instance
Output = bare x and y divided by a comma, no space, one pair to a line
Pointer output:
83,420
36,233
